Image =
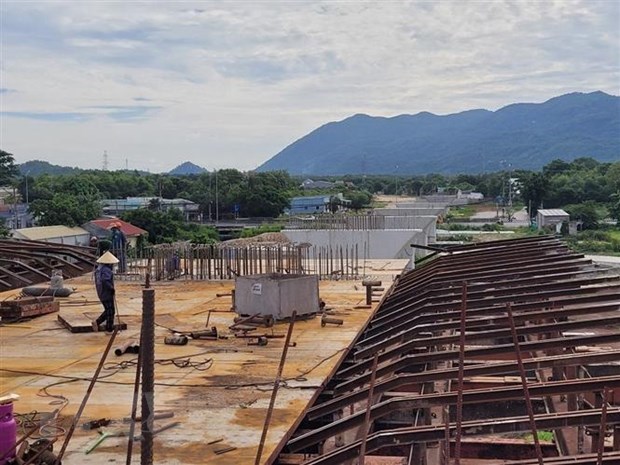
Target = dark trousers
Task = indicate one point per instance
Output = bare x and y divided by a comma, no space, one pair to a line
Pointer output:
108,315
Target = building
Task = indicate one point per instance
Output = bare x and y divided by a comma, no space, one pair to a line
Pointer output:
15,216
469,195
309,205
115,207
101,229
553,217
310,184
55,234
314,204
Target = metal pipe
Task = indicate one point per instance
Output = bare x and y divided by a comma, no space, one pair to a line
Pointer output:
148,375
126,347
77,416
276,385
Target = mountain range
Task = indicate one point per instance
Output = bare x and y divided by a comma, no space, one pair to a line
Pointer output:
38,167
521,135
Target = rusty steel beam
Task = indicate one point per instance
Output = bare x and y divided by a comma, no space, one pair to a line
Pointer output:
402,318
26,267
503,286
489,368
406,348
405,436
32,262
419,401
487,274
543,282
409,335
386,386
429,276
609,458
442,262
397,381
437,273
479,325
482,291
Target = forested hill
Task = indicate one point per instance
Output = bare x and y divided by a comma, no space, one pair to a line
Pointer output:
524,135
38,167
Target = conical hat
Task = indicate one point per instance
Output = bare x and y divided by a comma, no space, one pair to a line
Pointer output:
107,259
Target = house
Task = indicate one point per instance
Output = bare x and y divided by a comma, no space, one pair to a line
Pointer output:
310,184
315,204
553,217
15,216
115,207
101,229
469,195
55,234
309,205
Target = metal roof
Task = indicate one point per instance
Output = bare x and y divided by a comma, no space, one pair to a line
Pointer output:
40,233
553,212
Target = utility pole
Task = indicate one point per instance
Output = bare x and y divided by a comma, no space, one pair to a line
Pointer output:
510,184
217,204
15,208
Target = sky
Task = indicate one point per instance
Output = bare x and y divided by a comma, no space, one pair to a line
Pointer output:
228,84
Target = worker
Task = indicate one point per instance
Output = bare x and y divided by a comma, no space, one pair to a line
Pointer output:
104,282
119,244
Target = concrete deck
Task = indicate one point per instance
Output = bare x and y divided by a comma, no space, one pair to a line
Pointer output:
220,404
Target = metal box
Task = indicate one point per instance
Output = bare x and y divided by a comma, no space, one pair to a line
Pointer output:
277,295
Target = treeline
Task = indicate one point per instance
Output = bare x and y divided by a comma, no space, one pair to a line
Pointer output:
75,198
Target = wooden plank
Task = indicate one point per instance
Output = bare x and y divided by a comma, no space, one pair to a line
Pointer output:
25,301
83,323
18,309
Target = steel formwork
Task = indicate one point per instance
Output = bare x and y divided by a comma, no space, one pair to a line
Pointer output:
24,263
489,339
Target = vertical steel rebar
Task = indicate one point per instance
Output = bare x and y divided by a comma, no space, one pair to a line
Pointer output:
371,390
446,448
134,404
603,427
77,416
459,398
147,350
580,428
526,392
276,385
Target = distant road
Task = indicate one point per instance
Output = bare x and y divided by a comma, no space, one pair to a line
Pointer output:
604,259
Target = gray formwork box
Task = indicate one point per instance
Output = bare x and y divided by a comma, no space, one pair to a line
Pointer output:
276,295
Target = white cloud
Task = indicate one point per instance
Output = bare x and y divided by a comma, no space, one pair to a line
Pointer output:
229,84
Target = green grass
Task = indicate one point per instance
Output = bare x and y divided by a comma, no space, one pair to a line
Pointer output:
543,436
614,234
462,212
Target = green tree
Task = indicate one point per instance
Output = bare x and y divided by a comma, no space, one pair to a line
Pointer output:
586,212
614,207
533,191
65,209
359,199
264,194
8,170
161,226
65,200
4,231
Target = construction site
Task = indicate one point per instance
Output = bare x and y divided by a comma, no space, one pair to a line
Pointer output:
498,352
